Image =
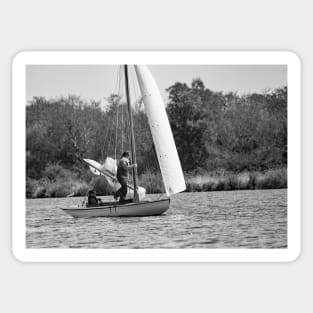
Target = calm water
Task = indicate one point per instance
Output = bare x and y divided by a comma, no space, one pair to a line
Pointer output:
224,219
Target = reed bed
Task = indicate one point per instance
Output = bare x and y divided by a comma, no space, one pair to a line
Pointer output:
63,186
271,179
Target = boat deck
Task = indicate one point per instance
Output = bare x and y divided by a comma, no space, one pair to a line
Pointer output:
143,208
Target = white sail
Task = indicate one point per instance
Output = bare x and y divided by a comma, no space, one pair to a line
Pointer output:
165,147
110,165
108,170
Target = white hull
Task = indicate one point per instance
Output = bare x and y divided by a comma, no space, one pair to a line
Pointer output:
145,208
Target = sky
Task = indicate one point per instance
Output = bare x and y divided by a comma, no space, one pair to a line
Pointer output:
95,82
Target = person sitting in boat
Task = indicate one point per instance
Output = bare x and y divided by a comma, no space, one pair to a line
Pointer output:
122,176
93,200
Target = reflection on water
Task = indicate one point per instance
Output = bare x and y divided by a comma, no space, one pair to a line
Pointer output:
224,219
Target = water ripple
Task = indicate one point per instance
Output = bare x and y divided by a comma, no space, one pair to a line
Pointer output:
225,219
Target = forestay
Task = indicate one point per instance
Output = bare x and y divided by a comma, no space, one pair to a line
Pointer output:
167,155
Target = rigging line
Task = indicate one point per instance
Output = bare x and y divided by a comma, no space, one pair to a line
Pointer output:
132,74
138,98
127,127
116,96
110,122
136,103
121,103
109,126
134,88
122,126
126,138
116,128
126,120
135,106
119,93
116,107
106,132
116,81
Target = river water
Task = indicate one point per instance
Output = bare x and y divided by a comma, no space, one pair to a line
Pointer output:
223,219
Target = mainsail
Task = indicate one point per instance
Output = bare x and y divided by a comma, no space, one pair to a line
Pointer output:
165,147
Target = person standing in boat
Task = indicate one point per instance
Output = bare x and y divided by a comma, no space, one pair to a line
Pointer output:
122,176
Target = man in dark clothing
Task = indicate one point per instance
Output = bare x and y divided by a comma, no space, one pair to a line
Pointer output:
93,200
122,176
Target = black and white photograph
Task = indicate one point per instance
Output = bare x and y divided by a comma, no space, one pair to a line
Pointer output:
156,156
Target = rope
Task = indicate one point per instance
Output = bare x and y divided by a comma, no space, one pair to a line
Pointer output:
121,104
110,134
117,113
122,126
126,120
134,87
116,128
109,129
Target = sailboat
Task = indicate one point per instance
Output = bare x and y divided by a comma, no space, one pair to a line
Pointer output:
165,148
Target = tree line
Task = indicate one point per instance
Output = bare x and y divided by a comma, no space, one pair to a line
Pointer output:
212,130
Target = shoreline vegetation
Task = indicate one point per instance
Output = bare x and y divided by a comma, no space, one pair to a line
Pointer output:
225,141
63,186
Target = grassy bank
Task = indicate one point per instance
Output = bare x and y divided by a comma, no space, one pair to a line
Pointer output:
271,179
61,183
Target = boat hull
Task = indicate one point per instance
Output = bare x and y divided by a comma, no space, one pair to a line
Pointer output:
144,208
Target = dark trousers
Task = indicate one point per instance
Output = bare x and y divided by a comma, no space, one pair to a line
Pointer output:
123,190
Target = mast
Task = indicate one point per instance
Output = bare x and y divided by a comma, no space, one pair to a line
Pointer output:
132,137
